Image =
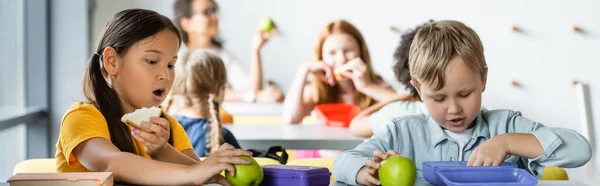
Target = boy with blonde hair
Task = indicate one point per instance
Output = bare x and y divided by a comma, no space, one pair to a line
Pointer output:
449,71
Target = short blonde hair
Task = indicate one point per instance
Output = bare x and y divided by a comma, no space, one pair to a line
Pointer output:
438,43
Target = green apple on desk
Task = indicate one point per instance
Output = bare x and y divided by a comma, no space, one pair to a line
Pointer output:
398,171
246,174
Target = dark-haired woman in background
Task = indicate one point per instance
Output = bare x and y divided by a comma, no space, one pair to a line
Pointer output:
199,24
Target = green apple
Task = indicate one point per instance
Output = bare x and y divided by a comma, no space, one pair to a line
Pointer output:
246,174
266,24
397,170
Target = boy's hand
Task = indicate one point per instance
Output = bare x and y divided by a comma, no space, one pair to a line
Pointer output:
491,153
367,175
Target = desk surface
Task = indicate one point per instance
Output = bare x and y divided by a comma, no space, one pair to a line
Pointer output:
540,183
294,136
253,109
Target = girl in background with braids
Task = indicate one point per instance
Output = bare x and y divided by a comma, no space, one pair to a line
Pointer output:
198,90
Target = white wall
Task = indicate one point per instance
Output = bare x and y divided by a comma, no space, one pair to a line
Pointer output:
545,58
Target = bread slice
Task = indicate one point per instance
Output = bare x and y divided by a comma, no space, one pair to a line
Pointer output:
337,72
337,76
135,118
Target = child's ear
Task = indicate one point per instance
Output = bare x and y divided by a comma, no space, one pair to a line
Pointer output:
484,79
110,59
416,85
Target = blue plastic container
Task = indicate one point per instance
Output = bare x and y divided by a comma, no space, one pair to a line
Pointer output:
499,176
290,175
430,169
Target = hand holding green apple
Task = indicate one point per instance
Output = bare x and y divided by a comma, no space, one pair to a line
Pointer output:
387,169
397,170
266,30
225,158
246,174
266,24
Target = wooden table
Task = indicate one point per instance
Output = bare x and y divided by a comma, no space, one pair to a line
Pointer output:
294,136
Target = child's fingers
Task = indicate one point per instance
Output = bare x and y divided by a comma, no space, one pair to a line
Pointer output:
144,142
378,156
228,167
226,146
478,162
472,158
372,171
156,129
147,126
161,122
233,160
321,77
150,137
221,180
371,179
140,127
392,153
372,164
344,67
497,163
487,162
234,153
358,65
329,75
137,136
269,34
347,74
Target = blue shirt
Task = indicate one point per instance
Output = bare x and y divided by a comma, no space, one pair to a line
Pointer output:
420,138
196,129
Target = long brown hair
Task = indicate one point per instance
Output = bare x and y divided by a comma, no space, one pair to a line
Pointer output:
201,76
123,30
183,9
328,94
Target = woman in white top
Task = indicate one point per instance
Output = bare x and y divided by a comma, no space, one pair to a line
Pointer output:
198,21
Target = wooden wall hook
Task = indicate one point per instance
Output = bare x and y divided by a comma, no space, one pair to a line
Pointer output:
515,28
515,83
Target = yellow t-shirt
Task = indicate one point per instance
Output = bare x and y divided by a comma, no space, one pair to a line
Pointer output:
84,121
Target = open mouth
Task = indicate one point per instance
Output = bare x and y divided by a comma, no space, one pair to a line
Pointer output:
457,122
159,92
